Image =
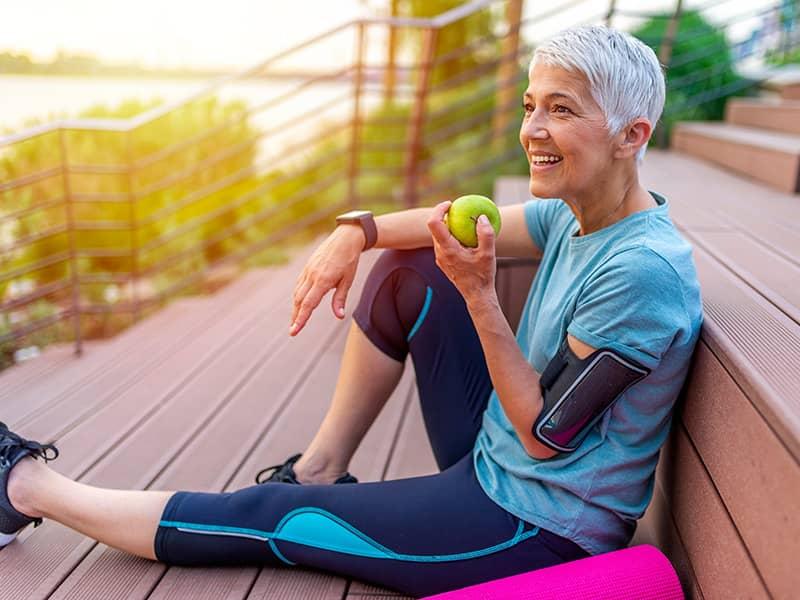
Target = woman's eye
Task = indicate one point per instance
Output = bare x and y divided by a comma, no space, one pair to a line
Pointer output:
527,108
560,109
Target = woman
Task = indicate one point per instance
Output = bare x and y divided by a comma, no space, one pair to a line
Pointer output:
615,277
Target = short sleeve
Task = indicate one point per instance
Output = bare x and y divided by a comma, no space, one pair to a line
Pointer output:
540,215
632,304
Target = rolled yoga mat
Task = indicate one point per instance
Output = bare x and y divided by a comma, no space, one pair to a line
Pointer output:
638,573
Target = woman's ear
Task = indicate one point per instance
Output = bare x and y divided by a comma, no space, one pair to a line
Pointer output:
635,135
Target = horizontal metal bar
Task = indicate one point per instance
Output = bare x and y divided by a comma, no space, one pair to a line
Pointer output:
98,169
481,93
165,182
159,155
390,171
102,226
35,266
123,125
33,237
24,212
235,178
184,174
467,124
442,132
240,226
477,142
100,197
476,171
40,292
34,326
104,278
710,95
26,180
109,309
382,146
251,249
103,253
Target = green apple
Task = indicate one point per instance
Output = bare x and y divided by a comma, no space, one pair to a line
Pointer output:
462,218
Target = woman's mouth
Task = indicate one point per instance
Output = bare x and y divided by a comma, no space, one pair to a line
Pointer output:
544,162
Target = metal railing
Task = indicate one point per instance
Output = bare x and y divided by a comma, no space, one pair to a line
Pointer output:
104,220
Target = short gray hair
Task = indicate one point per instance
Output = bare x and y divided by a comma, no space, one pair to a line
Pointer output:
625,77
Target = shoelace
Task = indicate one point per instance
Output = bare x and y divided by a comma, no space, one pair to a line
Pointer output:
11,442
270,471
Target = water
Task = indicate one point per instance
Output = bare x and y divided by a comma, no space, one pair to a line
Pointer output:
23,98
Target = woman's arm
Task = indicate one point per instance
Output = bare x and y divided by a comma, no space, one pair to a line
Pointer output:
334,263
472,271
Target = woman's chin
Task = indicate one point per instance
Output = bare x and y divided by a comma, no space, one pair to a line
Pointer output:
540,190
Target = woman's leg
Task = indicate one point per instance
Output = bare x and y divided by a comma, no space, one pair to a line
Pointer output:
418,535
407,306
127,520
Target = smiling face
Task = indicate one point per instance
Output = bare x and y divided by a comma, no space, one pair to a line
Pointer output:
564,135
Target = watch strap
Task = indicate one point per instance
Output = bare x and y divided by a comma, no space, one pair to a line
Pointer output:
370,230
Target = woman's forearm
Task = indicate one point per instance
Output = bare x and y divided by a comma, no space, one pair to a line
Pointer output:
404,230
514,379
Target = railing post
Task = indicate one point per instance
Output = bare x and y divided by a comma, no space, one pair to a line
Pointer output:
73,259
414,140
391,76
133,276
356,123
506,91
612,7
665,56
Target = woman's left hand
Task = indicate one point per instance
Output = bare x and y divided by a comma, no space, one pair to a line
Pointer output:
472,270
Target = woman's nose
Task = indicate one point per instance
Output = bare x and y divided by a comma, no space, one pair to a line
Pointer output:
534,128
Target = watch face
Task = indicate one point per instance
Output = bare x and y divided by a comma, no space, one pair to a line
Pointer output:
353,214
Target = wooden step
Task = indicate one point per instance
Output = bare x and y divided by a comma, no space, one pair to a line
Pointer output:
767,113
767,156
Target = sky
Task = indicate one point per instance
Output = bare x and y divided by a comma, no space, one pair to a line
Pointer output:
233,33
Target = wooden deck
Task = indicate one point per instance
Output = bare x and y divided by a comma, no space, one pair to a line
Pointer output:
206,392
200,396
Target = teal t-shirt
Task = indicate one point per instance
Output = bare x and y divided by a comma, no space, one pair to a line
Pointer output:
631,287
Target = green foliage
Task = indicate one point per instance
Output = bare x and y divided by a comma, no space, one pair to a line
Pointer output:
195,193
700,76
464,33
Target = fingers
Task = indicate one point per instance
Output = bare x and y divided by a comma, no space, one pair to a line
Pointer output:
436,224
340,295
307,305
485,233
300,291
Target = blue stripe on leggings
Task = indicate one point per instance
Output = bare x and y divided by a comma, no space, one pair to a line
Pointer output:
423,313
318,528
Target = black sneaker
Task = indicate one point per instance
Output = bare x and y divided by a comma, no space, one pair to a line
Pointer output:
13,449
285,473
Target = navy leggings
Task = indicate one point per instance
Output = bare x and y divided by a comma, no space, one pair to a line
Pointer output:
419,536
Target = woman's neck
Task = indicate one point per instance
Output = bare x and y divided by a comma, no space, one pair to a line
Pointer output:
610,203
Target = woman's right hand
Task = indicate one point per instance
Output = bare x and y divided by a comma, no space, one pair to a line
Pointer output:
332,265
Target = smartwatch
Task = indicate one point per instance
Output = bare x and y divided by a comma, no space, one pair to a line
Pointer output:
364,219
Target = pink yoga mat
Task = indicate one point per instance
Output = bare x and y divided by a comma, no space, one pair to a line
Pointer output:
638,573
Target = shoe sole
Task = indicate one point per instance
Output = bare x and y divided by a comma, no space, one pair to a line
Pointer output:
7,538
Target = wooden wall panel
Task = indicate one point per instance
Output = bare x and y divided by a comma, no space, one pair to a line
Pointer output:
756,477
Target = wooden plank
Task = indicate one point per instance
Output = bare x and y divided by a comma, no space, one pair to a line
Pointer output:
751,469
768,273
144,340
23,374
657,528
721,562
91,441
199,461
757,344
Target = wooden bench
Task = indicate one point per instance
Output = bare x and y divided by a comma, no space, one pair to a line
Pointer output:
726,504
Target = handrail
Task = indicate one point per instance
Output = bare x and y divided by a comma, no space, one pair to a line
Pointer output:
126,125
171,209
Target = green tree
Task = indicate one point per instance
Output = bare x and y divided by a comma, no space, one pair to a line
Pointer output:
701,75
